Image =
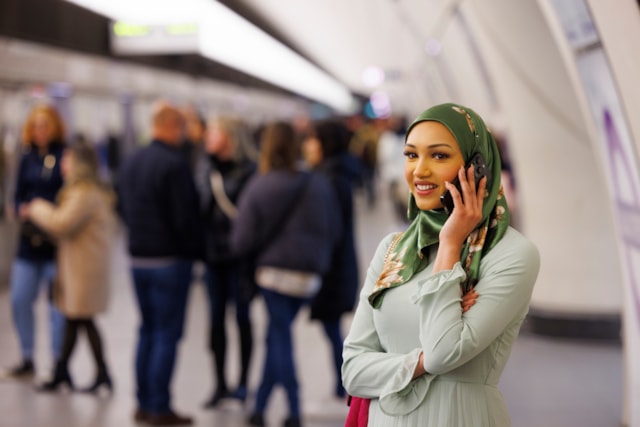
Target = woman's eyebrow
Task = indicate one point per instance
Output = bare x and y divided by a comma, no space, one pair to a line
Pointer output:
429,146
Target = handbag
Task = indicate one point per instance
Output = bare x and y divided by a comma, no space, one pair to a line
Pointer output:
358,415
34,234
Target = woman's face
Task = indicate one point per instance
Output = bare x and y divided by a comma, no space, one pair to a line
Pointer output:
312,151
218,143
42,130
432,157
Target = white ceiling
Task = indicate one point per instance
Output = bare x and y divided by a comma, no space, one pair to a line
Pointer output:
347,36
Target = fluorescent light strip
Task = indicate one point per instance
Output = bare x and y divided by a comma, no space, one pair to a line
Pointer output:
228,38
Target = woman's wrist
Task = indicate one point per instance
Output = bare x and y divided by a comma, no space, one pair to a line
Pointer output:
448,255
419,369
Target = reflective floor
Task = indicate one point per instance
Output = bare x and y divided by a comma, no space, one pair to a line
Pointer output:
547,383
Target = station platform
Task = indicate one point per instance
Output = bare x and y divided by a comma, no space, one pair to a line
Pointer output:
548,381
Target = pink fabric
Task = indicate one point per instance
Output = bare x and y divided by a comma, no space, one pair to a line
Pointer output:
358,415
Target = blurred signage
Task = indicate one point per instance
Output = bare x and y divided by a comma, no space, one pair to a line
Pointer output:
135,39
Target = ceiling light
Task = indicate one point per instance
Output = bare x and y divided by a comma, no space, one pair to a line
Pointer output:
226,37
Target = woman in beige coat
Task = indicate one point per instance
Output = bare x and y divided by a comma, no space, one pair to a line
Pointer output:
83,223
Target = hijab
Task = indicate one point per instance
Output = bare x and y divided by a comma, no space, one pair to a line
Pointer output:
408,253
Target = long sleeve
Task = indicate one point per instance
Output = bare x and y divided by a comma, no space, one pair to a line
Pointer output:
19,195
244,228
67,218
425,315
450,338
368,369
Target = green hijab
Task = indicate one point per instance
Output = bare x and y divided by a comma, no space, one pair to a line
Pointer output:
407,254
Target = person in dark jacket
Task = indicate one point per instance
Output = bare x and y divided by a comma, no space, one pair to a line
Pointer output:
232,155
325,150
39,176
159,206
290,218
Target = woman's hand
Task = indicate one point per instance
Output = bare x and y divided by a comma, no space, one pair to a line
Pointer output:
468,300
23,212
467,207
466,215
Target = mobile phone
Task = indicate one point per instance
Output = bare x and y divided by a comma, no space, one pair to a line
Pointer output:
480,170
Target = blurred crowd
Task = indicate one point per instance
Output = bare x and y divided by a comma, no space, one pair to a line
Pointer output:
264,213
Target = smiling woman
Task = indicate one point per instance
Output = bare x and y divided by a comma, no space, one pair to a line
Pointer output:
433,158
443,301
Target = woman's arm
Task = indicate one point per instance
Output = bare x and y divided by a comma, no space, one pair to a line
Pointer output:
244,226
367,368
67,218
450,339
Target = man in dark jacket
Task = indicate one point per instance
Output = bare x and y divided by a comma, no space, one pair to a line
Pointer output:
159,205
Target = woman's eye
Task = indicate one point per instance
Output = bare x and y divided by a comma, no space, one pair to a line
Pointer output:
410,155
440,156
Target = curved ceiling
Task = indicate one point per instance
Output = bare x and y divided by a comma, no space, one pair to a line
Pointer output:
346,38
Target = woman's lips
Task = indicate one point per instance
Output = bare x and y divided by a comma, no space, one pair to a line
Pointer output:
425,188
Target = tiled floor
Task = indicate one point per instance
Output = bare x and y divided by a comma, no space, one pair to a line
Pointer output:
547,383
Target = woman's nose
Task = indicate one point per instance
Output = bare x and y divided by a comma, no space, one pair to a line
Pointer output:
422,170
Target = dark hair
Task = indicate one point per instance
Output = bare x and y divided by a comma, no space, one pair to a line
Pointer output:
279,148
332,136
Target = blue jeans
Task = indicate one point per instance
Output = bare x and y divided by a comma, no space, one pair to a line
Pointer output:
162,294
279,366
27,279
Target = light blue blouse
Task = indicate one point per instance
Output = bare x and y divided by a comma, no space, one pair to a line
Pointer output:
464,353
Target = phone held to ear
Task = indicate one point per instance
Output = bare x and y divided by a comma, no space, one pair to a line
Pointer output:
480,170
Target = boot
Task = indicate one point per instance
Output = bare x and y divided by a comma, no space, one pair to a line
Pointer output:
61,376
218,395
102,380
23,370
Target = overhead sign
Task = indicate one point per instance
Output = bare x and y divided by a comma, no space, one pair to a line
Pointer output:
135,39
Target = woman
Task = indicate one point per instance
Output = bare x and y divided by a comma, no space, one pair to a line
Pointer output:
38,176
83,223
422,357
326,151
231,152
289,219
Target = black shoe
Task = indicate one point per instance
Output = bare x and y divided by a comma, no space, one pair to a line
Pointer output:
167,419
102,380
292,422
23,370
60,377
216,398
256,420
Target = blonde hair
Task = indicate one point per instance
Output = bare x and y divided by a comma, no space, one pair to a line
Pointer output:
279,148
52,115
239,136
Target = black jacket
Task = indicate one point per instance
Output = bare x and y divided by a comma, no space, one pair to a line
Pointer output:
38,176
158,203
217,224
340,282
